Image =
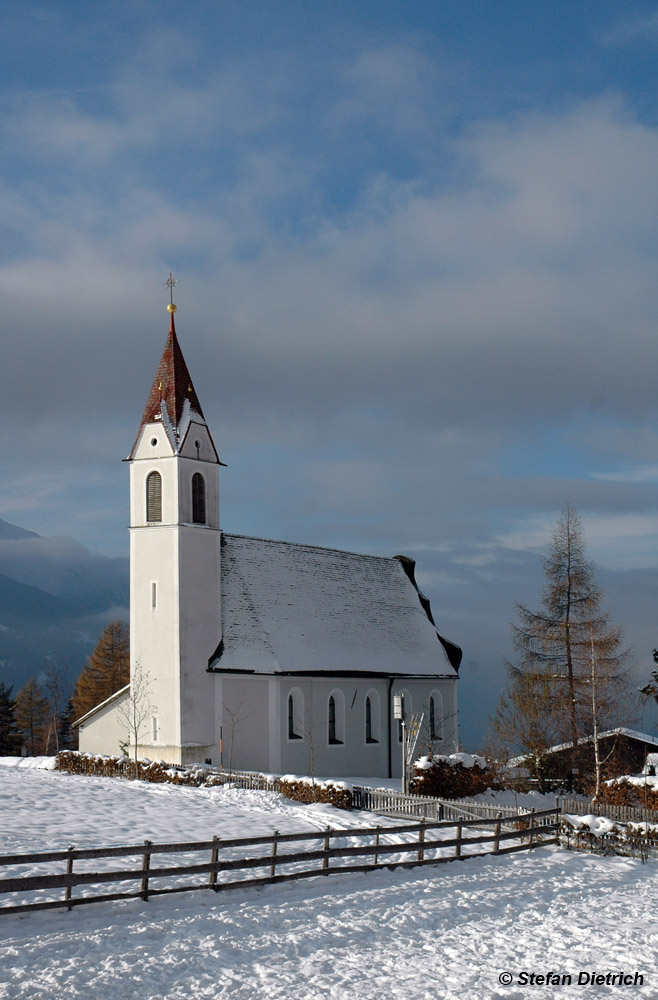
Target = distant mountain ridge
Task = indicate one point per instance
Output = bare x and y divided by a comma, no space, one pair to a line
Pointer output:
55,598
12,531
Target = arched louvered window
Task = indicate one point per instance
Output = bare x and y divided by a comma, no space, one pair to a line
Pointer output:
154,497
198,499
432,720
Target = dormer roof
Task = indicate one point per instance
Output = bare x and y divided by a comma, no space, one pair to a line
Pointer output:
172,401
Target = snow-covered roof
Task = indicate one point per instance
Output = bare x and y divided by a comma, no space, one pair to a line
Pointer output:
304,609
121,693
632,734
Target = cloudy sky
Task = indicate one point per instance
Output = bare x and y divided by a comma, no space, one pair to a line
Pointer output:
417,253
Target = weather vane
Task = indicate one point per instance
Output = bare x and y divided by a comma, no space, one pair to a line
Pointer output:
170,282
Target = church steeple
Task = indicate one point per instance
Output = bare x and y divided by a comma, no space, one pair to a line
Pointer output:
172,401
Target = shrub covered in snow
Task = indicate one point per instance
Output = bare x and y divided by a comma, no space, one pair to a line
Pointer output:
631,791
336,794
456,776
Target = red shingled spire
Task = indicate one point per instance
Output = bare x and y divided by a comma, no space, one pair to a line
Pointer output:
172,383
172,386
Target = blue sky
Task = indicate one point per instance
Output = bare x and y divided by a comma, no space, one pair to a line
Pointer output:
417,252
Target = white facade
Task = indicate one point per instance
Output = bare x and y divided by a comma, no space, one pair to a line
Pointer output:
254,654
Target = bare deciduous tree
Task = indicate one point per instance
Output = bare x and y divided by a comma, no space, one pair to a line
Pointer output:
236,714
136,711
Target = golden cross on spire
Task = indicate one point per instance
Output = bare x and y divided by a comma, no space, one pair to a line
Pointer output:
170,282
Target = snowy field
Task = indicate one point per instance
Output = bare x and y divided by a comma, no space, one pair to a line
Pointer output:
443,933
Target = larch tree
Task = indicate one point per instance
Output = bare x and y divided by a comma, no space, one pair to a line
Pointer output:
32,716
571,670
107,670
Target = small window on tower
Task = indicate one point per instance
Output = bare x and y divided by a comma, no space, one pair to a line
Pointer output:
154,497
198,499
154,595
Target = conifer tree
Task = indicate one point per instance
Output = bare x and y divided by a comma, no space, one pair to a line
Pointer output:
107,670
570,669
10,743
32,716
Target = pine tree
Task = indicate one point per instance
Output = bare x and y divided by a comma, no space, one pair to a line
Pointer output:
107,670
10,743
570,665
32,716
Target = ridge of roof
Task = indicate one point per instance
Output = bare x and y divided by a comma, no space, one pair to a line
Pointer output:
308,545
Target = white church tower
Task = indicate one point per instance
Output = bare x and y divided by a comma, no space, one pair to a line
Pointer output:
175,582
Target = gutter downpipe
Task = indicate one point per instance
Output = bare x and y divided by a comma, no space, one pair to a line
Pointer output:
390,759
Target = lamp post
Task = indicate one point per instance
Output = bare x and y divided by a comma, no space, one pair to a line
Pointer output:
398,713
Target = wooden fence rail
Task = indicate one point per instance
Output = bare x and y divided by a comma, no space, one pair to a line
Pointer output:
413,843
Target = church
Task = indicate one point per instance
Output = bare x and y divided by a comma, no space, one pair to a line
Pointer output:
257,654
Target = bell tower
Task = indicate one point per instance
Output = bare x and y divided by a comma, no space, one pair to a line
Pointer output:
175,552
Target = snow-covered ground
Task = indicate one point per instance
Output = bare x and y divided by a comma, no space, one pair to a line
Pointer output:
443,933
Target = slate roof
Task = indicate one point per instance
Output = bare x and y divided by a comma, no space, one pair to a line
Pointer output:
291,608
172,399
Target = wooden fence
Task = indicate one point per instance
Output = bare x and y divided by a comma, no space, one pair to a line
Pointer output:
388,802
403,846
623,814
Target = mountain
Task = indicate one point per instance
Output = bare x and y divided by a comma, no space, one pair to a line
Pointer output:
55,598
12,531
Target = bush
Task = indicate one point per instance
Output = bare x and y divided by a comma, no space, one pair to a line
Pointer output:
623,793
299,789
456,777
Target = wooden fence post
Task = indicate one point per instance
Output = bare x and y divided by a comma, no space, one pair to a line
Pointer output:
214,858
274,850
146,864
458,845
69,871
376,858
325,848
421,838
496,842
532,826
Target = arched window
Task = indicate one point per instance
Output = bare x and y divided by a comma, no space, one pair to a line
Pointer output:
336,719
295,714
332,720
435,716
154,497
372,717
198,499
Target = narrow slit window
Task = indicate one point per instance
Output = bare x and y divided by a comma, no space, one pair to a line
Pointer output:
154,497
368,721
154,595
432,720
198,499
